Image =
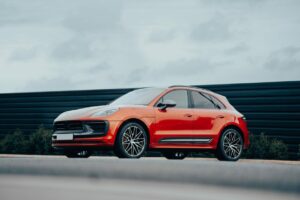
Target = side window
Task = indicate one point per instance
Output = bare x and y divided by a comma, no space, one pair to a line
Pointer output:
179,96
202,101
217,102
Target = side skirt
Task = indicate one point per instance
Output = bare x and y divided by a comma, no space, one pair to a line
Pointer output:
185,140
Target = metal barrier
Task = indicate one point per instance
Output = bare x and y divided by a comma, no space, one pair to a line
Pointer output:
272,108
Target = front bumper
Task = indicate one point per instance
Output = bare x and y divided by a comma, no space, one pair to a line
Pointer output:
86,138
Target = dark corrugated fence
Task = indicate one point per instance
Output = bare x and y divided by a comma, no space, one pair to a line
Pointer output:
271,108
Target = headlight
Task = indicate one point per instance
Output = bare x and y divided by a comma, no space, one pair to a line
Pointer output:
105,112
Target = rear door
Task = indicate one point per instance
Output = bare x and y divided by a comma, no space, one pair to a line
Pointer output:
209,115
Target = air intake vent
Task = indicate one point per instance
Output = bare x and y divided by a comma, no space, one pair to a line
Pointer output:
81,126
96,126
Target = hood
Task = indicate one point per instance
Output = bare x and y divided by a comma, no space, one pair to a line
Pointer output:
81,113
89,111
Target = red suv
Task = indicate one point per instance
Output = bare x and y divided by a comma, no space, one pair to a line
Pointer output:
175,121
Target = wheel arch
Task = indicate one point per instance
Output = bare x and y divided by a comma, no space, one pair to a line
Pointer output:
233,126
140,122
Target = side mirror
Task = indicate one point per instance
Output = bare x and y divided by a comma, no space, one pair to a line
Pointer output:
166,104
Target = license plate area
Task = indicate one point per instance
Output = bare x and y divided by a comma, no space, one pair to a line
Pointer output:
64,137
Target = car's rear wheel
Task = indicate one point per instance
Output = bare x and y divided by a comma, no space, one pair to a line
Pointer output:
230,146
131,141
78,154
174,155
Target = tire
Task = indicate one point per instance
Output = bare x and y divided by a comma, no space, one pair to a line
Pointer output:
230,147
131,141
78,154
174,155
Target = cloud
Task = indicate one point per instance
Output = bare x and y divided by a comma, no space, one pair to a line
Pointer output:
284,59
6,18
77,48
99,68
240,48
52,84
183,71
23,54
95,17
161,36
136,76
187,68
73,44
213,30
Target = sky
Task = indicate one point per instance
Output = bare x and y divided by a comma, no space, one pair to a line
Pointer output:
94,44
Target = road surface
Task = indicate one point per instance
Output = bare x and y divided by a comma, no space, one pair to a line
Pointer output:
49,177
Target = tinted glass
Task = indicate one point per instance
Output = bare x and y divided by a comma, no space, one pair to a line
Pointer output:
179,96
201,101
217,102
138,97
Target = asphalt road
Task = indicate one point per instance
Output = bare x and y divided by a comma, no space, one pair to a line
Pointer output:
32,177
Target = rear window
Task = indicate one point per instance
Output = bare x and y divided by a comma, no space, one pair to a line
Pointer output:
217,102
202,101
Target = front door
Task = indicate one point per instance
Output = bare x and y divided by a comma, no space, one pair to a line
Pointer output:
174,125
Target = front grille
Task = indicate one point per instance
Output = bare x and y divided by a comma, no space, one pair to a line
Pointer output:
68,126
81,126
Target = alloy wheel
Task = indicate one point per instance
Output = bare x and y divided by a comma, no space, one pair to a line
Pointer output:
232,144
134,141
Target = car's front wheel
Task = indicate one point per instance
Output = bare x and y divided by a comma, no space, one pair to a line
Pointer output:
172,155
230,146
132,141
78,154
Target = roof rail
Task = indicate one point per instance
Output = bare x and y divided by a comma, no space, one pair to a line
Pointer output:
189,86
202,88
172,86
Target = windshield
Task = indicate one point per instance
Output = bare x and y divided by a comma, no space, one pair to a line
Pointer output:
138,97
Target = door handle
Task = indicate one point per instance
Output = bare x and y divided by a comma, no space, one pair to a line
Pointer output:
220,116
188,115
